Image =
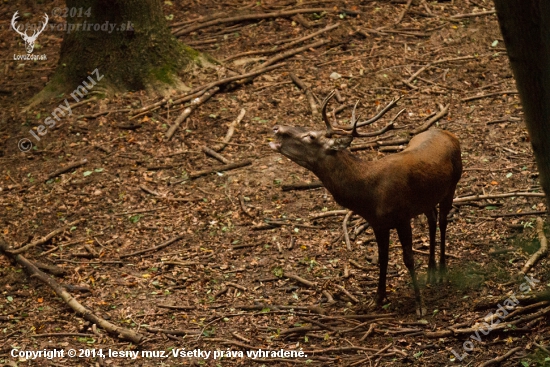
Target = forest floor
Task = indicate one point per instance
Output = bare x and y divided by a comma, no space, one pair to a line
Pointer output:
232,238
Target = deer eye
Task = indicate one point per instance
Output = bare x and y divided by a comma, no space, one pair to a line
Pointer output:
310,136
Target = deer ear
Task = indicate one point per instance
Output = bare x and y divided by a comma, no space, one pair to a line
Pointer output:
339,142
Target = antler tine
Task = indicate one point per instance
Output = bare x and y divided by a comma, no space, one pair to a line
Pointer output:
386,128
330,130
381,113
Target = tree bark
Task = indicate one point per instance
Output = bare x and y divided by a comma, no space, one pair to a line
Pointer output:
128,41
525,26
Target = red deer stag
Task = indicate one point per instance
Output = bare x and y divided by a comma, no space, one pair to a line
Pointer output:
387,192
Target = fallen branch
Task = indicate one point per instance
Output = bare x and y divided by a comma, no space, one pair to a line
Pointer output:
472,330
404,12
473,98
44,239
230,131
88,315
194,104
285,46
226,167
300,280
302,186
215,155
422,69
328,214
173,332
347,293
308,93
471,15
200,90
241,18
66,169
442,112
345,229
498,196
542,251
503,357
155,248
287,54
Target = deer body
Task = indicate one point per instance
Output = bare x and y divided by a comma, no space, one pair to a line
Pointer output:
398,187
388,192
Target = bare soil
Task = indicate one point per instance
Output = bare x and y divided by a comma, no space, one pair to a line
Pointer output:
229,267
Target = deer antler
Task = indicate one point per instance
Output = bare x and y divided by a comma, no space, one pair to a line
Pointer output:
331,130
354,124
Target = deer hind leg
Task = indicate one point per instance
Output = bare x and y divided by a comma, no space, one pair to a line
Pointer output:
405,236
444,208
383,241
432,224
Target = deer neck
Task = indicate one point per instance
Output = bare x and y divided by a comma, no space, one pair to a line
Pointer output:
344,175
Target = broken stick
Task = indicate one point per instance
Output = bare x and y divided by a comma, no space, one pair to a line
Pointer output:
230,131
88,315
542,251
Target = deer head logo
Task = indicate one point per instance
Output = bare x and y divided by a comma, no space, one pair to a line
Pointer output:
29,40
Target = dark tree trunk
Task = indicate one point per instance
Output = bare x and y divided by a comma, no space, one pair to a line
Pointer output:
128,41
525,26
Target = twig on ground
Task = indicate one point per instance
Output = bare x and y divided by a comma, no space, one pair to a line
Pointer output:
471,15
442,112
541,252
285,46
300,279
497,196
472,98
215,155
347,293
503,357
230,131
154,248
308,93
241,18
227,167
66,169
404,12
302,186
194,104
71,301
423,68
44,239
243,206
328,214
345,229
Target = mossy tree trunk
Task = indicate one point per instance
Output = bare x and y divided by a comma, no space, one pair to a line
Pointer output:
128,41
525,26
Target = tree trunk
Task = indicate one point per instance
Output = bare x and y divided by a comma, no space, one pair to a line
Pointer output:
525,26
127,41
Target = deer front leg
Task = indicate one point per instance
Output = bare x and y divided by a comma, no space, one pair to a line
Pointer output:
383,241
405,236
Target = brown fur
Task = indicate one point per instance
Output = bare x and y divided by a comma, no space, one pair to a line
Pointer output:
387,192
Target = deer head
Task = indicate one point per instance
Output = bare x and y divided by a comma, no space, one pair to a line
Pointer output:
29,40
309,147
